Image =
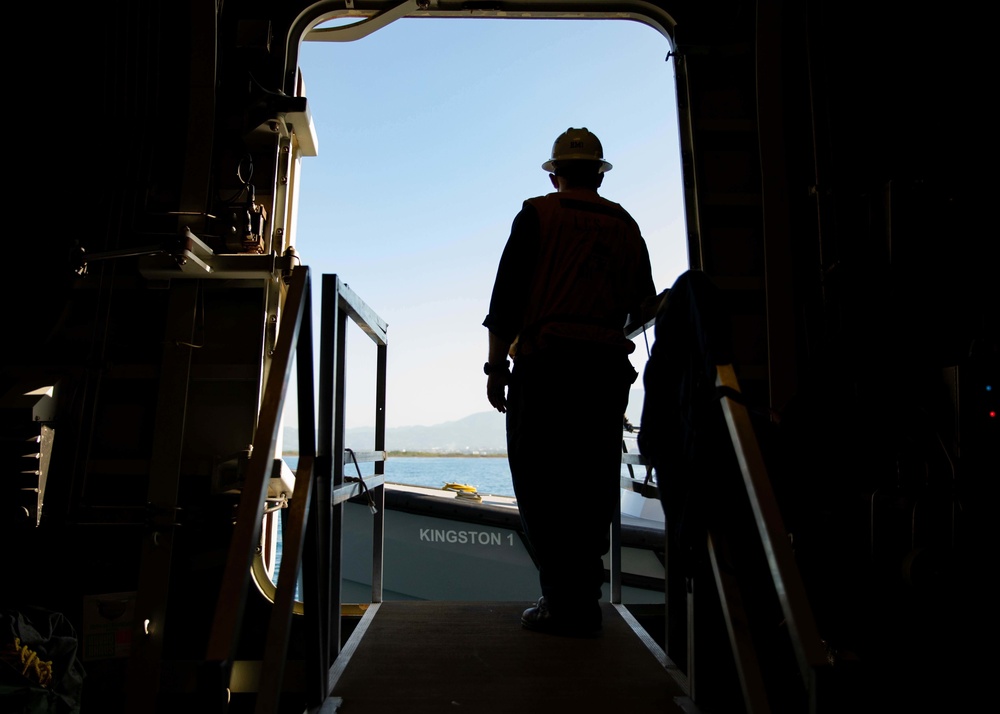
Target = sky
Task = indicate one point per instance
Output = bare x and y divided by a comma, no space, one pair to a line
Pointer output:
431,134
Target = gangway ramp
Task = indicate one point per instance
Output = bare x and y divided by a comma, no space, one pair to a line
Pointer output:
424,657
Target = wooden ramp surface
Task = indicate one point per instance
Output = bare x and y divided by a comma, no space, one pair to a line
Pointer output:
416,657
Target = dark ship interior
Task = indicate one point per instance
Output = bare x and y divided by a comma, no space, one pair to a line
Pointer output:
838,174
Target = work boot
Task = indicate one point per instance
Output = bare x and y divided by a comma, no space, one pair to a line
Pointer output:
541,618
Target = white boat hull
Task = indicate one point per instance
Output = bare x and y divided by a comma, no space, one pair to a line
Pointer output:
440,546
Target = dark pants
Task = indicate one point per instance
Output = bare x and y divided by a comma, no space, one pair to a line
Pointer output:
564,445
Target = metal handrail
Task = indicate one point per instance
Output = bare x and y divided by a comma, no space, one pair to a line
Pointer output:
339,303
319,480
810,653
231,602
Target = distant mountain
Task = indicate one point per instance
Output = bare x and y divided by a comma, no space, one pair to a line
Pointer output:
480,433
483,432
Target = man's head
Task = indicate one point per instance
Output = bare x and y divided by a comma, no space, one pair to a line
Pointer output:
577,160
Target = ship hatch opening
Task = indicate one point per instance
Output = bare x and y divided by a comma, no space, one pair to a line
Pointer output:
431,132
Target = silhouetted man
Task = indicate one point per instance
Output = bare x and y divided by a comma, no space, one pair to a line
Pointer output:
574,268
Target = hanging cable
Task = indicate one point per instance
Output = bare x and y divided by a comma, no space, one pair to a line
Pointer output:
364,487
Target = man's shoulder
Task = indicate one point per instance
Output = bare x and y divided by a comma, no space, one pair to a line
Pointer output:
593,200
609,202
618,207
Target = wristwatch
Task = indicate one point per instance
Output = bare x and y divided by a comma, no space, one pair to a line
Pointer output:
491,368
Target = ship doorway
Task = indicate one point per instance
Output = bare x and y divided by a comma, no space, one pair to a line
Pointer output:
431,132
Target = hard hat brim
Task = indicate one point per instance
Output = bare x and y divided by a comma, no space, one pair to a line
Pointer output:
550,165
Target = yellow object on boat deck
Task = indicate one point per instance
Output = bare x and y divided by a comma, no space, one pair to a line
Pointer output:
463,491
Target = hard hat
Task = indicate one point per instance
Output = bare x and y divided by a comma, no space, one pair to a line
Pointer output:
577,145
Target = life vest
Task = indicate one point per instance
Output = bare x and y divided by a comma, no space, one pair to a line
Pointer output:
589,273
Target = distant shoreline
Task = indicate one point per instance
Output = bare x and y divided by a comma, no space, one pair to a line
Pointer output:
429,454
448,455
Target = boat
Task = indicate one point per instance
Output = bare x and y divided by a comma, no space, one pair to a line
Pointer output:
441,546
455,543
